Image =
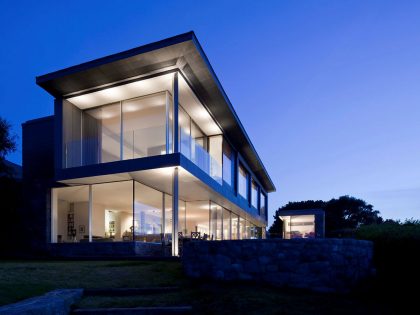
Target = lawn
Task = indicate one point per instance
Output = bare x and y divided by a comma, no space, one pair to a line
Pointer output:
19,280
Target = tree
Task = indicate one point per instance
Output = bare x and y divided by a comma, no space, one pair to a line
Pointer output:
348,212
344,213
7,143
10,190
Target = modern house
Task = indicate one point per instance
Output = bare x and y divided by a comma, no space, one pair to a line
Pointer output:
144,147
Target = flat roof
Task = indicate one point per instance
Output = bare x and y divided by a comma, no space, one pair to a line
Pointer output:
182,52
293,212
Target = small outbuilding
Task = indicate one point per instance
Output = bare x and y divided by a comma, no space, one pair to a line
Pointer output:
307,223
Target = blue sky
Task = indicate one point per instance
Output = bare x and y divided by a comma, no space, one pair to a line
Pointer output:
327,90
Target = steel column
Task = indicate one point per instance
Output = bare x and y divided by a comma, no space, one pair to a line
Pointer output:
175,212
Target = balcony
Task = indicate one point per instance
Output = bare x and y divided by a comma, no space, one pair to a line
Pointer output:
118,124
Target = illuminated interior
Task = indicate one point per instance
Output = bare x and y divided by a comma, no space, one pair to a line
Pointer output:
300,226
135,120
127,210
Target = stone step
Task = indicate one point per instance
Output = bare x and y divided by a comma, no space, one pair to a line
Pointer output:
128,291
158,310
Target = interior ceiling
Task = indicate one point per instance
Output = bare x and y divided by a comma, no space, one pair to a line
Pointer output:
179,52
123,92
191,189
148,92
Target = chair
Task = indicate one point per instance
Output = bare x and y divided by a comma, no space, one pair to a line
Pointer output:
195,235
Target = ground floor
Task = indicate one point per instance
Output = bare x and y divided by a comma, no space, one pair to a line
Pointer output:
141,209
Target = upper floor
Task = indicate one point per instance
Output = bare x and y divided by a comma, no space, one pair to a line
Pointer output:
161,99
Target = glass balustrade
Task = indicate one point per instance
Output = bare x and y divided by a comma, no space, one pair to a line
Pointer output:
194,151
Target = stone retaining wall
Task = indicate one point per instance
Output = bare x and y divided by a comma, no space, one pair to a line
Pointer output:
325,265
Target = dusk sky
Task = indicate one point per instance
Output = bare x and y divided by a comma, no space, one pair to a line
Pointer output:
328,91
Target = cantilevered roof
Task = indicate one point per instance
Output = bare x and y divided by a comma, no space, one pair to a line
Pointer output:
181,52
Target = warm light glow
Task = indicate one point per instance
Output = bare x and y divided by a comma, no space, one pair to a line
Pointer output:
123,92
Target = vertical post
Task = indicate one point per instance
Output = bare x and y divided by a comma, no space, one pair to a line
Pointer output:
90,212
168,108
175,212
175,113
53,207
210,225
163,215
121,133
59,161
238,231
236,174
230,225
223,217
134,210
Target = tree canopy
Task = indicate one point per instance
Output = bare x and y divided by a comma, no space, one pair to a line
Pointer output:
343,213
7,143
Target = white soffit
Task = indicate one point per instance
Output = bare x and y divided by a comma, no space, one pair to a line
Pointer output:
123,92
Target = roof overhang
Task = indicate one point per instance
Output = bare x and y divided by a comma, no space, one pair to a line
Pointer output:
182,52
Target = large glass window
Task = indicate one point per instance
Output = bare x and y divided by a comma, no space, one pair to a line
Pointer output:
144,126
101,134
70,214
147,214
227,225
215,151
242,182
198,218
215,222
122,122
112,211
182,218
242,228
184,122
196,131
227,163
199,147
235,226
254,194
299,226
262,205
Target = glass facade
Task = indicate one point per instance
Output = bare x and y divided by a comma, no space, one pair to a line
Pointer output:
144,126
101,132
112,211
254,194
242,182
227,224
129,210
300,226
263,205
70,215
235,226
147,213
228,169
215,221
133,121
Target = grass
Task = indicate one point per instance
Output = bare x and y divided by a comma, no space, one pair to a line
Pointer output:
19,280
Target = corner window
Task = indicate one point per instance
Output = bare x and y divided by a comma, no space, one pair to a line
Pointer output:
254,194
242,182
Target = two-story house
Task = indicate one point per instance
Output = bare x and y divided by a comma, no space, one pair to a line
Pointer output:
144,147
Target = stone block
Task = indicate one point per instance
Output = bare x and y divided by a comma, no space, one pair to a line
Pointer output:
57,302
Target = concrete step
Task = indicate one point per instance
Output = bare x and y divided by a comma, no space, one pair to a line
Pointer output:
128,291
158,310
